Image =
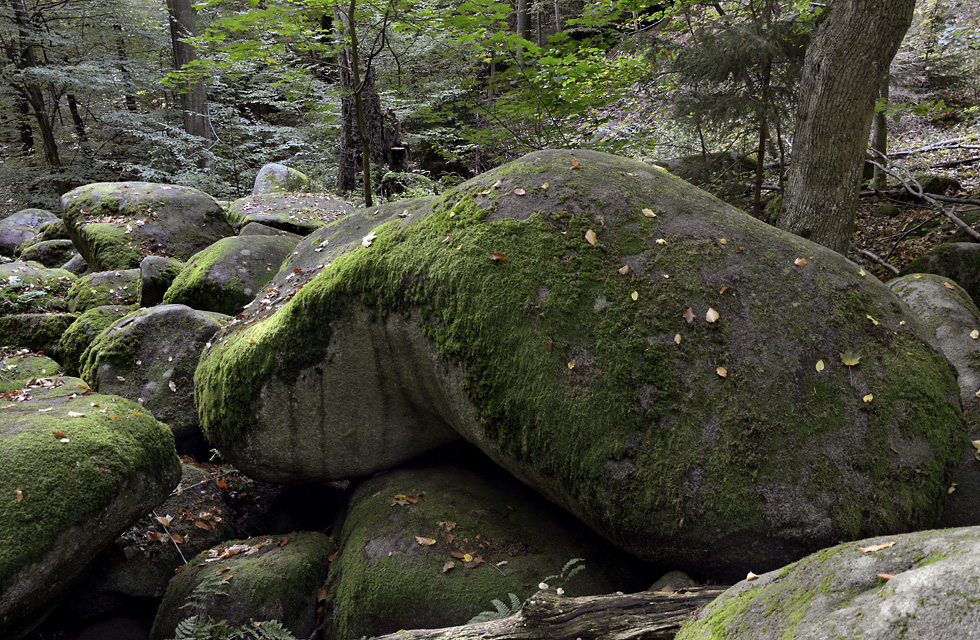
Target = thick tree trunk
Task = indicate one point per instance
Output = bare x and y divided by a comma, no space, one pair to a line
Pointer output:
851,49
193,95
879,138
649,615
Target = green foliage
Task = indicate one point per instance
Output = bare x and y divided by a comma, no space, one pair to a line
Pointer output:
201,626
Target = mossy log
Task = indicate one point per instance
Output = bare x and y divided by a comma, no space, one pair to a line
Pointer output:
648,615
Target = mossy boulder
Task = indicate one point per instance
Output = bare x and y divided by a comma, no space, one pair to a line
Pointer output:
115,225
550,327
265,578
22,366
156,275
958,261
35,331
27,287
22,227
104,288
84,330
227,275
954,321
299,213
918,585
277,178
141,561
150,355
50,253
77,469
259,229
432,544
939,185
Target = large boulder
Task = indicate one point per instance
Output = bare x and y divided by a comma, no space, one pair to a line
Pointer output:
50,253
262,579
450,535
278,178
156,275
35,331
30,287
227,275
704,390
918,585
22,366
115,225
300,213
84,330
958,261
954,321
104,288
21,227
150,356
76,468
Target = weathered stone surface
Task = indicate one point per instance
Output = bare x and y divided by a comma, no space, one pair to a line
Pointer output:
227,275
952,318
455,502
35,331
300,213
151,355
958,261
714,445
920,585
272,578
104,288
156,275
76,477
77,338
416,184
19,368
115,225
76,265
277,178
50,253
21,227
259,229
31,287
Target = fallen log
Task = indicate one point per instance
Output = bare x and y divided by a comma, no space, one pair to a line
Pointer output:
648,615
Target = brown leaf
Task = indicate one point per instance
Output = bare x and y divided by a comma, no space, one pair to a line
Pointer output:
459,555
176,537
497,256
59,434
200,524
475,562
623,270
548,347
284,542
800,262
519,192
877,547
321,593
689,315
885,577
722,371
723,290
19,495
449,565
590,237
449,538
223,569
576,165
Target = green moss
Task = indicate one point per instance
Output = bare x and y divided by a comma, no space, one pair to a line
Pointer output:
103,289
35,331
84,330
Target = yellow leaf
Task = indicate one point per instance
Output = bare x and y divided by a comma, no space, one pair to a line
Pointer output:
677,338
976,444
634,295
751,576
949,286
800,262
576,165
571,364
722,371
917,276
868,316
862,273
819,365
590,236
545,185
975,334
849,358
661,241
722,241
467,557
711,315
623,270
868,398
425,542
164,520
649,213
877,547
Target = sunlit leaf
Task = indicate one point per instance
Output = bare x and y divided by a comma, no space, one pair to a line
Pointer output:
164,520
571,363
711,315
623,270
689,315
849,358
677,338
722,241
819,365
862,273
635,295
975,334
661,241
751,576
172,386
576,165
369,239
75,414
722,371
649,213
425,542
590,237
868,398
949,286
800,262
868,316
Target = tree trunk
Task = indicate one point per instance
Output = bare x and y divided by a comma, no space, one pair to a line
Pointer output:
558,28
24,126
879,138
523,20
362,130
193,95
76,118
649,615
850,51
128,97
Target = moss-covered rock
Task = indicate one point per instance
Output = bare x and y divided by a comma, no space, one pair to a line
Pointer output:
954,321
958,261
547,325
35,331
937,184
259,229
27,287
227,275
277,178
19,368
300,213
919,585
266,578
84,330
115,225
156,275
150,355
50,253
22,227
104,288
396,567
77,469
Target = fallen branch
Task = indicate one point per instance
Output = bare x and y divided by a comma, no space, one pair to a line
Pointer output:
874,258
648,615
952,143
954,163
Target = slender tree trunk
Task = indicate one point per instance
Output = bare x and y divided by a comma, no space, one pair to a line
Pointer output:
76,118
879,137
128,97
763,119
355,73
850,51
523,20
193,95
558,28
24,126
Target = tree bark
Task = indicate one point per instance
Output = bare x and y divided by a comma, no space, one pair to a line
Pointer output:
193,95
649,615
850,51
523,20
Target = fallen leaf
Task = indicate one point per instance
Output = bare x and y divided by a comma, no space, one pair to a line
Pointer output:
893,449
120,379
723,290
635,295
367,240
740,250
284,542
722,371
590,236
172,386
519,192
19,495
689,315
661,241
722,241
548,346
576,165
819,365
45,410
917,276
449,538
623,270
711,315
677,338
849,358
330,558
475,562
868,398
497,256
497,184
457,554
545,185
751,576
59,434
200,524
571,363
800,262
949,286
75,414
425,542
176,537
223,569
885,577
164,520
649,213
449,565
447,239
975,334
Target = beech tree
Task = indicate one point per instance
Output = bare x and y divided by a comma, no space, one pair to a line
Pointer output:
851,51
193,93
